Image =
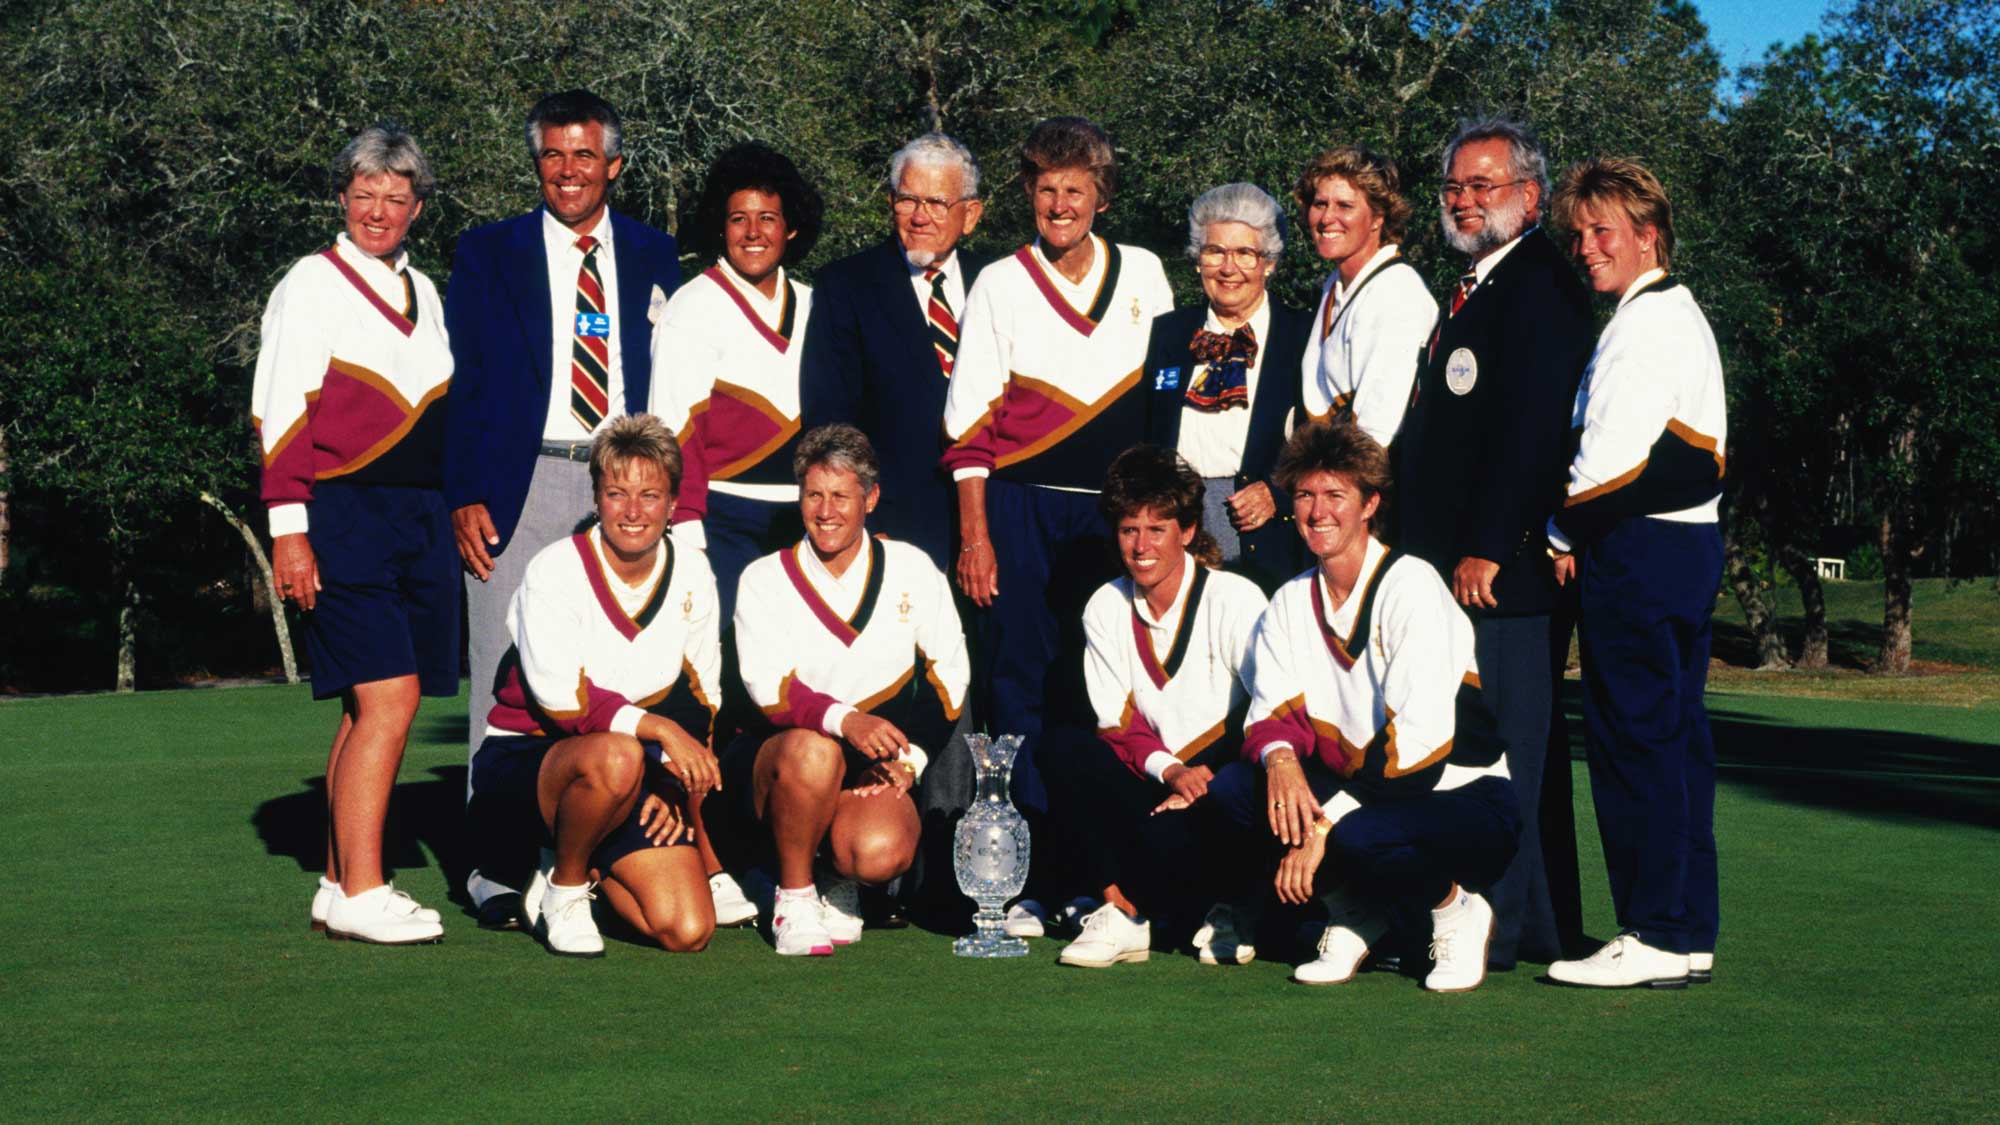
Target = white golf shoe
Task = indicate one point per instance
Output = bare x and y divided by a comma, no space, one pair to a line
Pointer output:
1460,935
1701,968
565,924
1109,936
1026,919
531,899
1625,962
1351,927
1227,937
732,906
796,927
840,911
382,916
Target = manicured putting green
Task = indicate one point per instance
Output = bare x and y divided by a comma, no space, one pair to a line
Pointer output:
155,962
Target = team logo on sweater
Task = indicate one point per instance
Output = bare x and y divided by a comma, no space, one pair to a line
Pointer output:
903,609
1137,312
1461,371
687,607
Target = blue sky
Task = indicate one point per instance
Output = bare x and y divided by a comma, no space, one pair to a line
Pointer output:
1741,29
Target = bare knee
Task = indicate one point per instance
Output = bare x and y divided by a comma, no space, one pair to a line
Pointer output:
684,933
810,760
877,857
614,763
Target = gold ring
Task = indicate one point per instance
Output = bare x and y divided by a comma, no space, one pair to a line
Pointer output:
1277,804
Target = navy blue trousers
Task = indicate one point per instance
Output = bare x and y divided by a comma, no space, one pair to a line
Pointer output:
1515,681
1647,596
741,531
1053,551
1403,854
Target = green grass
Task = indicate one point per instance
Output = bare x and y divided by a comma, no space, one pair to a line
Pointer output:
154,962
1951,622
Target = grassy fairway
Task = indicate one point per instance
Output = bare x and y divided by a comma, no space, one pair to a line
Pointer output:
154,962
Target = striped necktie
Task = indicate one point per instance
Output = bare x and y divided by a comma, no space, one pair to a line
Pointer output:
1466,284
589,355
944,326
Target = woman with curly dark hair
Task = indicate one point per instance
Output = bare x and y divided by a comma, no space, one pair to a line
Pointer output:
727,353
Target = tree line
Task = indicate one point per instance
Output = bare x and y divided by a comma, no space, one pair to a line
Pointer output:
162,164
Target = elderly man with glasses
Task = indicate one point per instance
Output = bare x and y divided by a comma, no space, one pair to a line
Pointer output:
1479,465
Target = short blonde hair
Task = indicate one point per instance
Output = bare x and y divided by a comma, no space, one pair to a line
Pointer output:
635,437
1625,184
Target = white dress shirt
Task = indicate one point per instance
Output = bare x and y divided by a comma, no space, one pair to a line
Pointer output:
1213,441
565,261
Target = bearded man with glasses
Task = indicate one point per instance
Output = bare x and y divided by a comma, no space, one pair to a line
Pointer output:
1479,465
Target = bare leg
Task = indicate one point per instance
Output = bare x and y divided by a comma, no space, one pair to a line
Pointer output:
874,838
710,865
333,760
663,893
588,784
797,783
362,771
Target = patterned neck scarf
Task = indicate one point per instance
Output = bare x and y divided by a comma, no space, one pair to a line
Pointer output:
1223,383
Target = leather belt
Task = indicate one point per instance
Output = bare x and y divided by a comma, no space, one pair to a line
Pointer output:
567,450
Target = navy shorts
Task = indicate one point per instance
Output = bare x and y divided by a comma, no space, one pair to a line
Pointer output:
506,771
388,599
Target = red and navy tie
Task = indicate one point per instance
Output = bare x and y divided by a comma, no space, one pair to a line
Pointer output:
1466,284
589,355
944,326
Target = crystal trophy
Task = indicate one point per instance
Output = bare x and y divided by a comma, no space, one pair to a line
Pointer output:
990,852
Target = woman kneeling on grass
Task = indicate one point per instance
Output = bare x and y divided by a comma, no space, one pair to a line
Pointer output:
598,734
850,646
1164,665
1382,784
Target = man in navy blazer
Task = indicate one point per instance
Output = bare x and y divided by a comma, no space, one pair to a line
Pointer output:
884,330
1235,235
1479,466
551,316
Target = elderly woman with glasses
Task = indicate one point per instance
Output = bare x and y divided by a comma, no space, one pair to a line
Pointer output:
348,399
1222,381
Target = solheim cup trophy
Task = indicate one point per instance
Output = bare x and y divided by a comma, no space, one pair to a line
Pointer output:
990,853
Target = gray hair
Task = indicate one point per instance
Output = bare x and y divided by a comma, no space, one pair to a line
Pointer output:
572,107
838,446
1525,151
937,150
1237,203
386,147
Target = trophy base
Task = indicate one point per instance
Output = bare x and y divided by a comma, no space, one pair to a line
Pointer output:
980,945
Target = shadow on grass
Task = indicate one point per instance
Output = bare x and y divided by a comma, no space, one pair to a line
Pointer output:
426,818
1878,773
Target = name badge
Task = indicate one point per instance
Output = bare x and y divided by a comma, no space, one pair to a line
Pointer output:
1167,379
1461,371
594,324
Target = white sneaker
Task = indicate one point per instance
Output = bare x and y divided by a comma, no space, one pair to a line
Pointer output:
565,924
840,911
1351,927
1109,936
1026,919
1625,962
382,916
796,927
531,899
321,903
1701,968
732,906
1460,934
1225,937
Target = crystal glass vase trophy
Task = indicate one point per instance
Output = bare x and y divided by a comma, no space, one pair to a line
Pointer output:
990,853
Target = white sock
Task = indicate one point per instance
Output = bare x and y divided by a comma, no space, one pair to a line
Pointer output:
326,884
807,891
1458,899
557,893
481,888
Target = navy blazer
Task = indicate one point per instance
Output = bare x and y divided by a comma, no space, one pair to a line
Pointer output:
496,308
1272,553
1481,459
869,362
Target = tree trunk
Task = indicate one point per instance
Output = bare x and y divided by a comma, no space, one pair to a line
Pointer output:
128,639
1812,597
1895,657
1756,608
270,587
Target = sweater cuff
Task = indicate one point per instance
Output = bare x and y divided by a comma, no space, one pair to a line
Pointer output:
287,519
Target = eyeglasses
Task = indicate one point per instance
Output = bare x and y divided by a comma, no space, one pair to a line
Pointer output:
1477,190
933,208
1245,257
